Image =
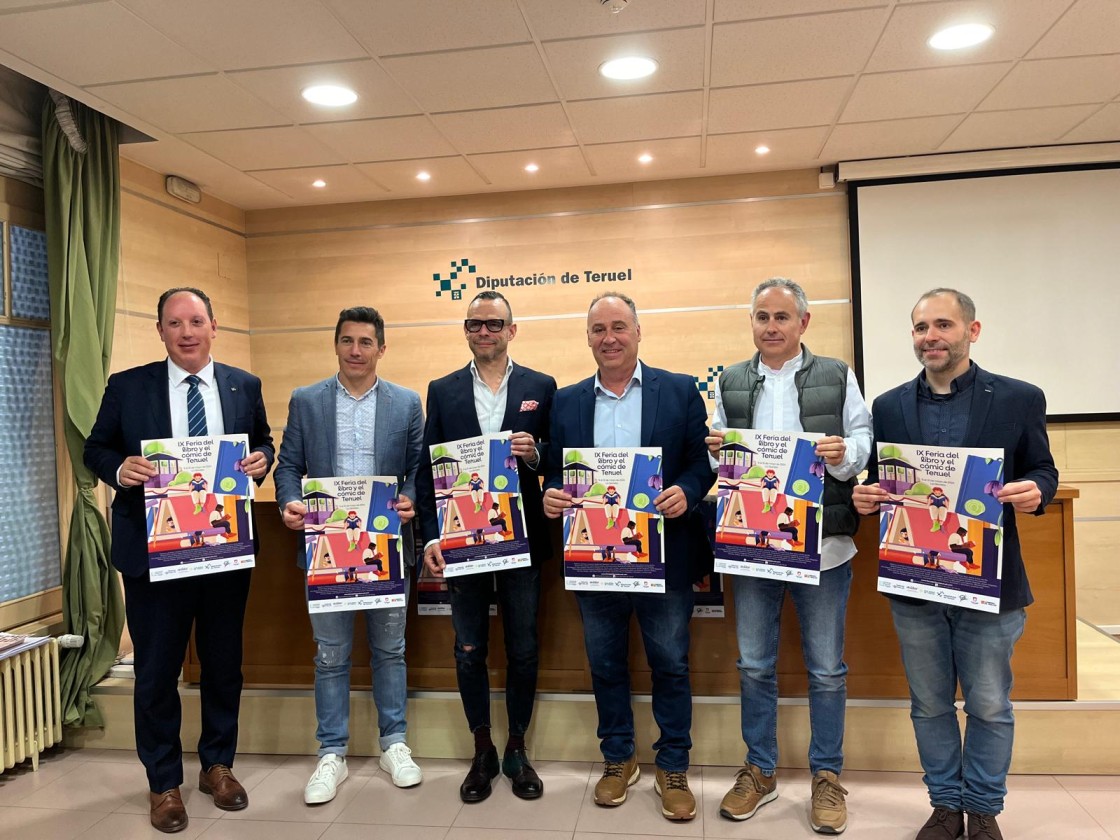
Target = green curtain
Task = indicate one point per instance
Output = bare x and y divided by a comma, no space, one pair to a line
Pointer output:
81,185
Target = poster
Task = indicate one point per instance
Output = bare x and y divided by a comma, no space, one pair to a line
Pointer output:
478,506
613,535
768,506
352,537
433,597
940,535
198,506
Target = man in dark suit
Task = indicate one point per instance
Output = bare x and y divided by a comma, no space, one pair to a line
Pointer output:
630,404
148,402
953,402
491,395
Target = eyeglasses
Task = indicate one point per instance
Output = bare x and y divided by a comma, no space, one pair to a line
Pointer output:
492,324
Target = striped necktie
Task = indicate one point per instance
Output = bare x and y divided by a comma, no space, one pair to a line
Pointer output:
196,409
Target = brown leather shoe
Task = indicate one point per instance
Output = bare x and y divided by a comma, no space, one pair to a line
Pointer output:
219,782
167,812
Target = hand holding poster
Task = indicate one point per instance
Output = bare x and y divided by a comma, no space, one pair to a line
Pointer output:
352,536
198,506
940,535
768,506
612,532
478,505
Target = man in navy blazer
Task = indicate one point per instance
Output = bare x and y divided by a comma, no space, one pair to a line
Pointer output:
953,402
630,404
355,423
488,396
151,402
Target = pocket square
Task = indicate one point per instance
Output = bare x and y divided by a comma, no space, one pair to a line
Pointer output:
529,405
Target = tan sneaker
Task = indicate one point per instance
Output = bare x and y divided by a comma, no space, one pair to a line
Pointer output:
750,792
829,814
610,790
677,801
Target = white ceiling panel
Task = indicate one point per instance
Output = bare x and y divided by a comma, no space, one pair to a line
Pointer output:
393,138
777,50
378,95
503,129
1018,26
1103,126
265,148
794,148
393,27
1091,27
506,170
753,9
251,33
859,141
1057,81
554,19
344,184
1000,129
58,40
191,103
920,93
449,175
673,158
782,105
491,77
637,117
679,54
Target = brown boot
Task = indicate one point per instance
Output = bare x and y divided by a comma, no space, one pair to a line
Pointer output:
611,789
750,792
220,783
677,801
829,812
167,812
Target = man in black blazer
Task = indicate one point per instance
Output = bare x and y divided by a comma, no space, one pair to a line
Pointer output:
491,395
953,402
630,404
151,402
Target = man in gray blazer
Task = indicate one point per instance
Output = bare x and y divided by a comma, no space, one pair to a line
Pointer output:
355,424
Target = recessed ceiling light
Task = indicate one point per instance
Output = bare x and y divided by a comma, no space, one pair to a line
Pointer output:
631,67
959,37
646,158
423,176
319,182
333,96
762,150
532,167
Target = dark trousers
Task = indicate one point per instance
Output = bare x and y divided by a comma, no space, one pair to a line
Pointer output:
160,616
519,593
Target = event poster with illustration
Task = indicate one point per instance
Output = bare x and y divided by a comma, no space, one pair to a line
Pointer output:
613,535
478,505
768,506
198,506
352,536
940,536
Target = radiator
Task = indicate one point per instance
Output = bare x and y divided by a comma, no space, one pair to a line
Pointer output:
30,710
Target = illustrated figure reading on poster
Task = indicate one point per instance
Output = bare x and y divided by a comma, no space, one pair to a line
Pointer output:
198,486
938,508
770,484
960,545
477,491
497,518
610,506
787,524
353,526
634,538
220,519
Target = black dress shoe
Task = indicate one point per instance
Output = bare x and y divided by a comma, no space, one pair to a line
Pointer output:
484,767
526,783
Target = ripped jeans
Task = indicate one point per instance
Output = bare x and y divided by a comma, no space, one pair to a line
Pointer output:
334,637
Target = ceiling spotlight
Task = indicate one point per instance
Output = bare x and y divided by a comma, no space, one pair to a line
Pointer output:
423,176
646,158
319,183
630,67
959,37
762,150
615,6
532,167
333,96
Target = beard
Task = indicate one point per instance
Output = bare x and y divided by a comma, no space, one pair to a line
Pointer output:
954,354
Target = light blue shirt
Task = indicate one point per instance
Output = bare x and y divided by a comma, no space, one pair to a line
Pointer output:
490,406
355,420
618,419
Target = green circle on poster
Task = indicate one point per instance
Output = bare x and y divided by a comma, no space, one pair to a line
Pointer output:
974,507
641,500
801,487
380,523
500,482
228,484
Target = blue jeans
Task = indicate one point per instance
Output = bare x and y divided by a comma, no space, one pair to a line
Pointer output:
519,592
821,611
334,636
663,621
941,645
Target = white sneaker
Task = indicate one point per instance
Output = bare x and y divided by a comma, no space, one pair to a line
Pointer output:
397,762
324,782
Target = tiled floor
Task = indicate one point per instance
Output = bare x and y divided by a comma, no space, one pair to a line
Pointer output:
102,794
